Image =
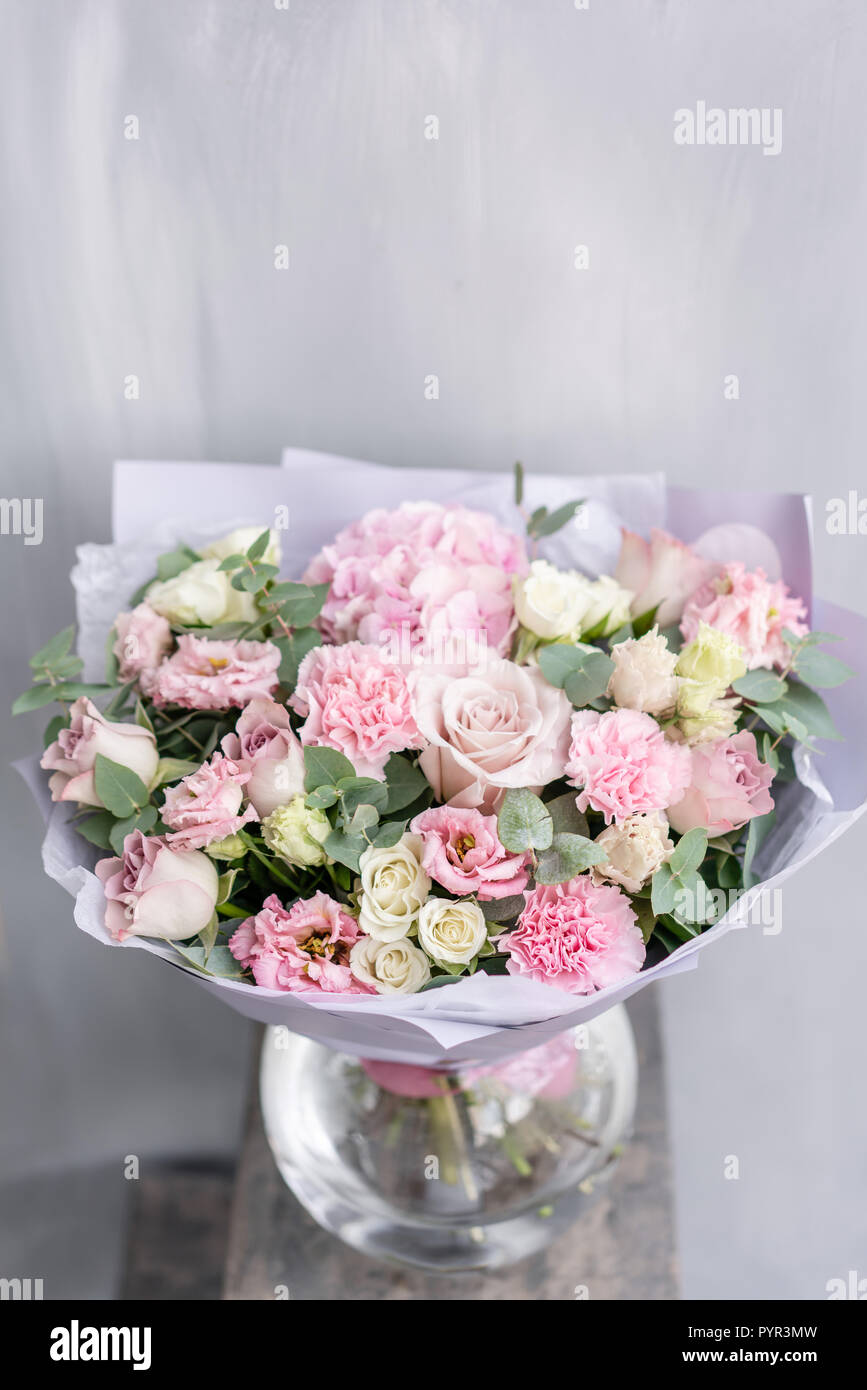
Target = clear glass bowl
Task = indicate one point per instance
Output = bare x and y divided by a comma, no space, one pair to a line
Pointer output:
473,1169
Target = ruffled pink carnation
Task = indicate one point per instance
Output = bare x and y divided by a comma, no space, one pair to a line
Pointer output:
577,936
462,852
302,949
728,787
206,805
144,638
355,702
623,764
752,609
423,575
216,675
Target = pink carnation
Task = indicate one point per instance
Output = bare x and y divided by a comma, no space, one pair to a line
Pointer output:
752,609
623,764
577,936
302,949
144,638
216,675
728,787
357,703
422,574
206,805
462,852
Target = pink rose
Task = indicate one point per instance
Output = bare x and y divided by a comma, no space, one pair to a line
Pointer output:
462,852
750,608
729,787
153,890
216,675
144,637
73,753
578,936
304,948
357,703
505,727
623,764
663,572
206,805
265,746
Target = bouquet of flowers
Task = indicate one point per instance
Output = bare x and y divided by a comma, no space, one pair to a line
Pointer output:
434,755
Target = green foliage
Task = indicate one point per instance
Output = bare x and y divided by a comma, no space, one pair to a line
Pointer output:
569,855
120,790
524,822
582,671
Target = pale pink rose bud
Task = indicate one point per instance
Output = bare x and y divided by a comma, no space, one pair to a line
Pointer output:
663,572
73,753
643,677
728,787
265,745
153,890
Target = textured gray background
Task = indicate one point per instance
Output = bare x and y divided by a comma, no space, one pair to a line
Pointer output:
408,257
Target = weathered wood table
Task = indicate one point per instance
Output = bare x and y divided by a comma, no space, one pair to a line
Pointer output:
622,1246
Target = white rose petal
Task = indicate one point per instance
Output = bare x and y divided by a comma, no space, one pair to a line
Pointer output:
393,887
390,967
452,932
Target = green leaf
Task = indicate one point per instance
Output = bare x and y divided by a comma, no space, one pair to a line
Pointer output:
172,770
231,562
52,729
325,767
259,546
362,791
55,648
388,834
73,690
503,909
218,962
519,484
644,622
568,856
298,609
760,686
363,817
820,668
810,639
174,562
564,812
663,893
293,651
225,885
143,820
689,853
119,789
554,521
208,937
646,917
591,681
810,709
558,661
621,635
758,832
523,822
769,752
404,782
142,718
35,698
321,798
97,829
252,580
346,849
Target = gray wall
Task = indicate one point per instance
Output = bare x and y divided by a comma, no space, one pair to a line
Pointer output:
409,257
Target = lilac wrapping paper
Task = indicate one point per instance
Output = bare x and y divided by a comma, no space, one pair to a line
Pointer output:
483,1018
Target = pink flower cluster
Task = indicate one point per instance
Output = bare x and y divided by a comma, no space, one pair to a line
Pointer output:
206,805
462,852
578,936
423,571
752,609
623,764
302,949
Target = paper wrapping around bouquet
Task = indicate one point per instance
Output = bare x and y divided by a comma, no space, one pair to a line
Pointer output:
483,1018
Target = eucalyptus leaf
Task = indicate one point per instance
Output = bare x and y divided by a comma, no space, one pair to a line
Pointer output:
568,856
523,822
55,648
816,667
325,767
760,687
118,788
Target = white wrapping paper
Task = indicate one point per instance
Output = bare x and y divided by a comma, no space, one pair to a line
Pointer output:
482,1018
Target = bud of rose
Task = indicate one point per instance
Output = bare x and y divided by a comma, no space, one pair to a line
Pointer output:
452,932
389,967
708,665
296,833
393,887
238,542
201,593
230,847
73,753
152,890
550,602
606,600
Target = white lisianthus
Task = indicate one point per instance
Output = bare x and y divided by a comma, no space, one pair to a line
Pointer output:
635,849
393,888
719,720
201,593
550,602
297,833
644,674
608,600
390,967
238,543
708,665
452,931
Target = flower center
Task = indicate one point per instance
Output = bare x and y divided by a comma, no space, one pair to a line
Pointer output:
464,845
218,662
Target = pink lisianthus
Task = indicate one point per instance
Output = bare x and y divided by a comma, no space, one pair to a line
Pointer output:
623,765
424,572
304,948
206,805
144,638
154,890
752,609
662,573
265,746
462,852
355,702
728,787
216,675
578,936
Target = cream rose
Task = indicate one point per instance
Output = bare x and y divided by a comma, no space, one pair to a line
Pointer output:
609,600
452,931
201,593
238,542
635,849
389,967
504,727
550,602
644,674
393,887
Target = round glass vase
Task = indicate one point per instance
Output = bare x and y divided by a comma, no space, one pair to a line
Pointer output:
473,1168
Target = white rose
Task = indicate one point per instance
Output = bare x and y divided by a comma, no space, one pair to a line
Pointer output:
390,967
201,593
393,887
643,677
635,850
551,602
609,600
452,932
239,542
